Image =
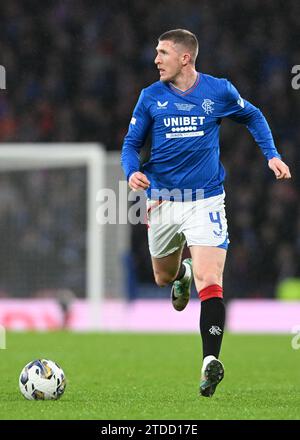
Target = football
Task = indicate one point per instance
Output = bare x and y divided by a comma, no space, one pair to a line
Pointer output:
42,379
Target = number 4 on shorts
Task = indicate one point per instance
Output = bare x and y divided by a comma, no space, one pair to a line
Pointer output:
215,218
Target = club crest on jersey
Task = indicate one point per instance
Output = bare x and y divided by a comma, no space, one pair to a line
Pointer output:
207,106
162,105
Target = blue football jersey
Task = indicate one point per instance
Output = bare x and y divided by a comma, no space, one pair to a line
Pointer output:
185,126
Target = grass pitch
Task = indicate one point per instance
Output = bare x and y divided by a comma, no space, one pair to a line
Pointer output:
154,376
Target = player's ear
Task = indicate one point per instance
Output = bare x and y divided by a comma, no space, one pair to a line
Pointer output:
186,59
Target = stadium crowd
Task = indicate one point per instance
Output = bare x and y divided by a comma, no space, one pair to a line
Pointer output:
74,71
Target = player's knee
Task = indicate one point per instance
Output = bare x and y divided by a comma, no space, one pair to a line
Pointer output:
163,279
208,278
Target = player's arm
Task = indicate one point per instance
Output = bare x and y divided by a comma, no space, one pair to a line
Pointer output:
242,111
134,140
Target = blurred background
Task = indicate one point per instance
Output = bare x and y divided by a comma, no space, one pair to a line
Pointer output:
74,70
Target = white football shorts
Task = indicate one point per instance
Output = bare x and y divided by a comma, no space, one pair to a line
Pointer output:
172,224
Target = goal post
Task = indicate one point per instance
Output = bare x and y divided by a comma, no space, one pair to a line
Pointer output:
23,157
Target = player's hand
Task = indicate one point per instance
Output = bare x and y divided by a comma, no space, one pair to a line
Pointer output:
138,181
280,169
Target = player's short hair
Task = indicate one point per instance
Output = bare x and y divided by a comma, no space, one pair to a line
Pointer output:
184,37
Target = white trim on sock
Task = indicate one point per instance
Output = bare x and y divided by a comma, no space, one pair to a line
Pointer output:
188,272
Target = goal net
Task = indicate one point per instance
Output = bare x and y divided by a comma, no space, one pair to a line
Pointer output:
50,238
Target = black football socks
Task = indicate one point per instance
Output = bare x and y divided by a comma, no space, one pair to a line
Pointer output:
181,272
212,320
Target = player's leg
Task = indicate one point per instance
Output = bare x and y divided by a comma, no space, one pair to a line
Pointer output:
170,269
166,269
205,230
208,267
165,244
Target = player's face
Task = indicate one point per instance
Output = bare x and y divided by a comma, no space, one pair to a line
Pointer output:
168,60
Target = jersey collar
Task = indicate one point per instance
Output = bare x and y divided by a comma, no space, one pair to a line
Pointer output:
188,91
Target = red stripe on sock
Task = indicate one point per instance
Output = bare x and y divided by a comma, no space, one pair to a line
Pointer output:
214,291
